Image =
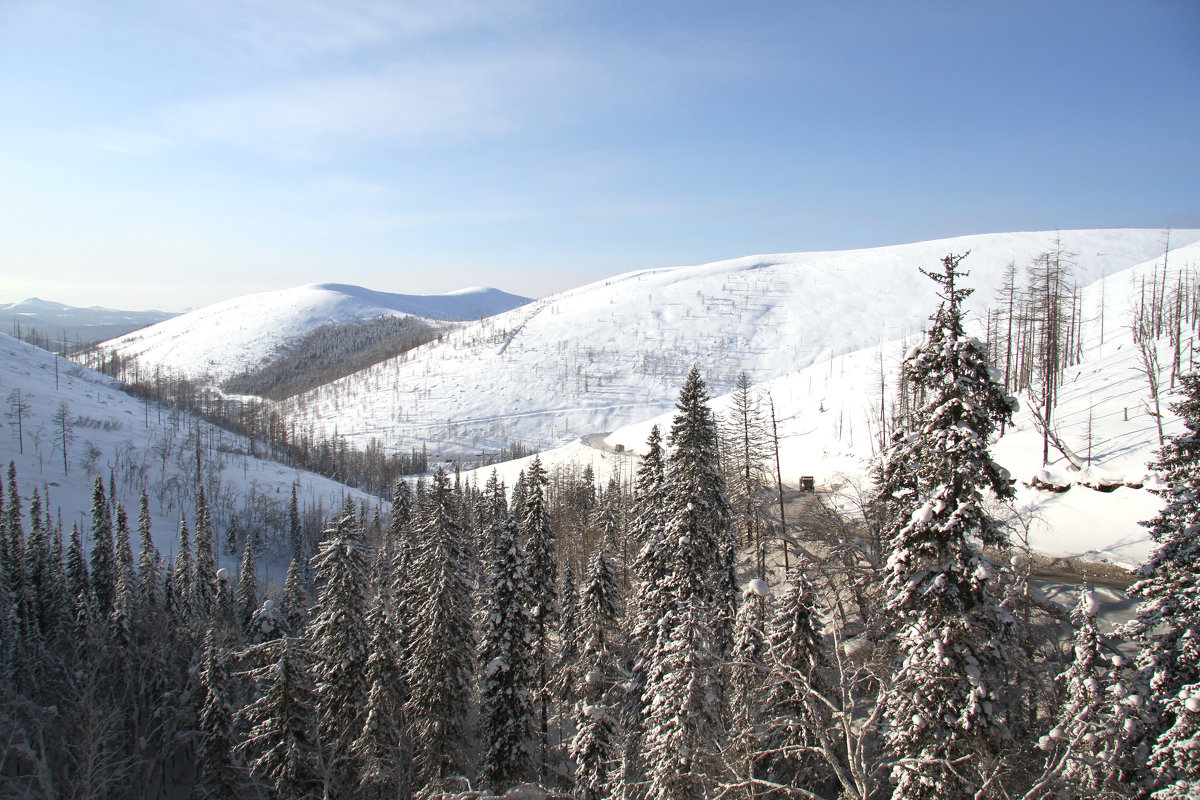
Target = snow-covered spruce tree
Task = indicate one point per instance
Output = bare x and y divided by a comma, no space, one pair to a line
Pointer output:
12,536
1168,590
78,588
1087,736
295,600
182,573
340,641
377,750
567,662
6,557
1176,756
295,531
684,690
440,664
204,573
122,546
104,570
218,775
945,703
281,745
39,570
747,680
121,619
506,656
799,696
247,586
149,572
646,607
540,543
594,742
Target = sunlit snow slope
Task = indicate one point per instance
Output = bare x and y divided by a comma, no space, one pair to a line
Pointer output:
225,338
614,352
828,416
138,445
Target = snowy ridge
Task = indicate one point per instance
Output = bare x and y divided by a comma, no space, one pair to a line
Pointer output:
228,337
613,352
137,444
90,324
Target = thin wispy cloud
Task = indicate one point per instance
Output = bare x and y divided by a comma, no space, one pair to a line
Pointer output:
283,32
404,104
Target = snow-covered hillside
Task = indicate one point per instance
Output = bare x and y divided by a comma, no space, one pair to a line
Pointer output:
56,320
225,338
115,435
614,352
828,415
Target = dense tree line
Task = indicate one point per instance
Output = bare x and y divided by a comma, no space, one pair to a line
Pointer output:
329,352
271,435
615,642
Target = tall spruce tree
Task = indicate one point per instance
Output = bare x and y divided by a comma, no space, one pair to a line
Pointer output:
218,776
281,745
1167,626
799,695
78,586
295,600
540,542
182,574
377,752
340,641
247,587
595,738
506,656
1087,730
204,574
149,588
945,702
747,680
684,690
570,642
104,570
440,665
647,606
301,551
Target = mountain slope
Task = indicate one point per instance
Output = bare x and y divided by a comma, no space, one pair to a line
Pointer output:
828,427
114,434
56,320
613,352
229,337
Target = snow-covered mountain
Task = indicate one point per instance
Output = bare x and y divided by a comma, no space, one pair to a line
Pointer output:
225,338
828,423
57,321
111,433
615,352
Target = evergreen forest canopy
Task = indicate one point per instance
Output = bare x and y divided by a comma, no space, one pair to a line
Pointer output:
330,352
615,641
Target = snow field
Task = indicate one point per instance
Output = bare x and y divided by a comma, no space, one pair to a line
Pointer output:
137,444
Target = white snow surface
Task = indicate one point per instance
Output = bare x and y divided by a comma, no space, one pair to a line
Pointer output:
828,411
225,338
137,444
614,352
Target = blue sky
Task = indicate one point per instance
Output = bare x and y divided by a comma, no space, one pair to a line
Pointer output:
173,153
